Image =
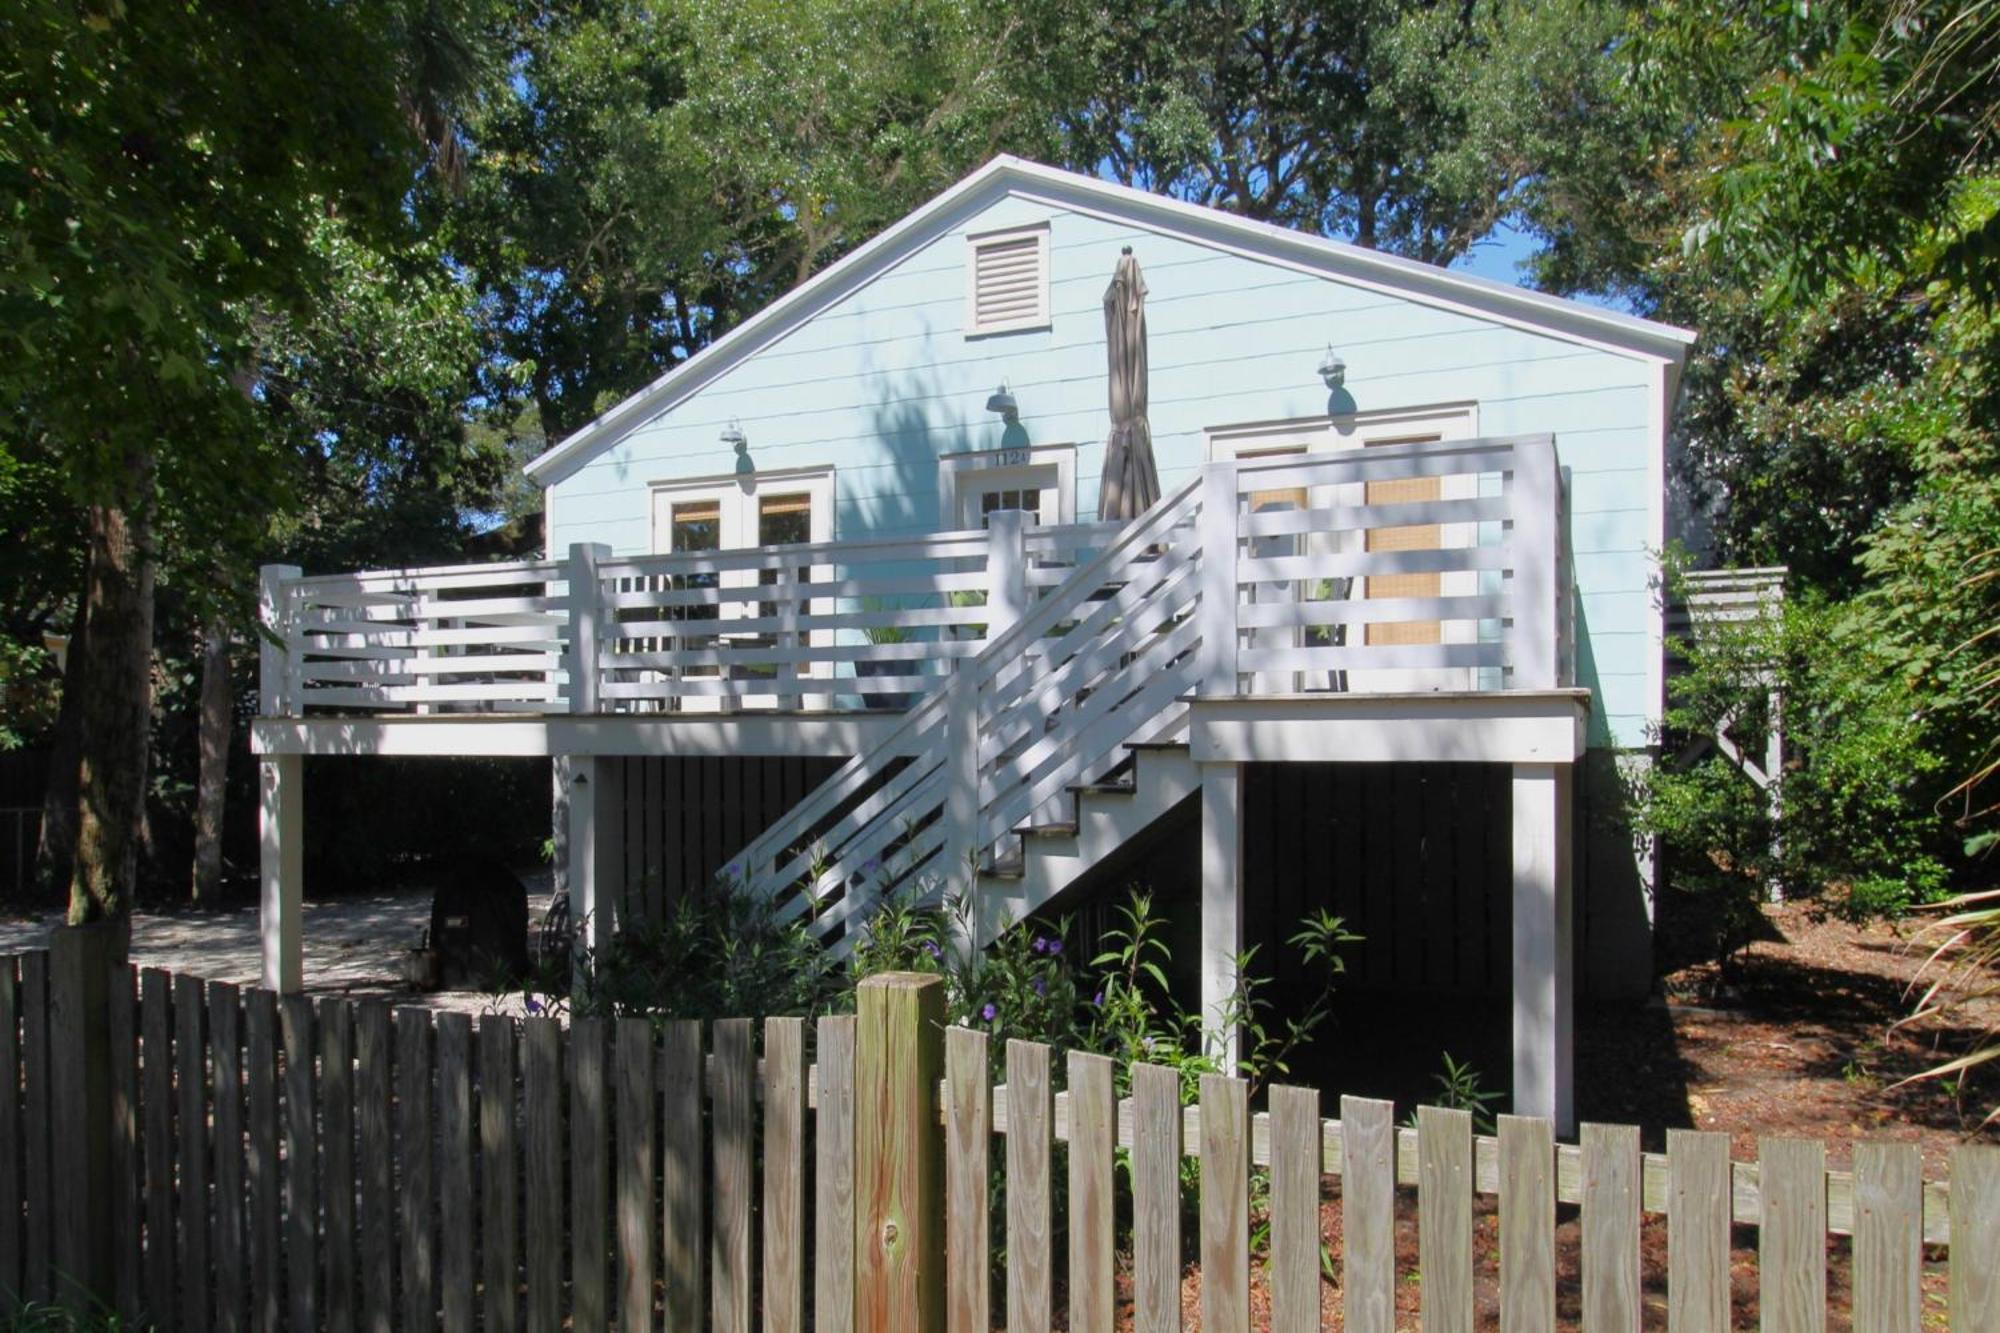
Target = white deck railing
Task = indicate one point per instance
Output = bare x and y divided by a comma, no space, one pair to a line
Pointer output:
1286,561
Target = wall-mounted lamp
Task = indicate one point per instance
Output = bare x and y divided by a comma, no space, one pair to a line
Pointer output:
1002,401
1332,369
733,436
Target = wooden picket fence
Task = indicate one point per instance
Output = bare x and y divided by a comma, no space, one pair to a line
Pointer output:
285,1163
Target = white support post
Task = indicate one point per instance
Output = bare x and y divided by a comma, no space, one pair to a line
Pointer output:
589,912
584,608
1544,944
1221,904
1217,612
281,827
1535,504
274,660
1006,570
961,800
792,577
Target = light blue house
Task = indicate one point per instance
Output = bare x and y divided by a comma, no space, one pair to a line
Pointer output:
829,607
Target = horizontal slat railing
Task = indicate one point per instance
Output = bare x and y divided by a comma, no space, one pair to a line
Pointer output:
287,1163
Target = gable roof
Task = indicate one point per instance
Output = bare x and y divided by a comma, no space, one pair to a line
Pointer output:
1004,176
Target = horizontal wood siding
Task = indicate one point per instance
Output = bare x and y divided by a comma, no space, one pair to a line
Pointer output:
884,381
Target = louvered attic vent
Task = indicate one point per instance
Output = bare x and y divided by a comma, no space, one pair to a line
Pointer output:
1007,281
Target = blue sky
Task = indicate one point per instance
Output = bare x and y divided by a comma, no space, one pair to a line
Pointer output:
1499,255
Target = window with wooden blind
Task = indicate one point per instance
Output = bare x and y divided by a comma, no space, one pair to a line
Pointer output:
1007,281
1413,537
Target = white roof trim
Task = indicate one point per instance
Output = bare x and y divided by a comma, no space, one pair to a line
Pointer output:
1483,297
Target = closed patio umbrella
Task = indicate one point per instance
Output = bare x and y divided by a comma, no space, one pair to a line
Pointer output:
1131,483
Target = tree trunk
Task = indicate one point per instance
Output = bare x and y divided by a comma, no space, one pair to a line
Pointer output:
212,780
116,693
55,852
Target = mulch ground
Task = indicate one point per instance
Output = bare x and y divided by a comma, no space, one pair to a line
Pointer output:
1796,1039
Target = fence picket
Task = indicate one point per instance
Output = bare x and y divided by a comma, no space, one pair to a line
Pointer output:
418,1232
1368,1215
1030,1117
1225,1204
10,1136
784,1175
1093,1135
295,1022
156,1018
1295,1237
542,1134
733,1116
1698,1220
336,1099
267,1212
191,1085
1791,1241
1888,1236
1444,1218
589,1119
232,1308
499,1176
968,1112
1975,1239
1610,1229
683,1268
122,1013
637,1095
1527,1224
454,1172
374,1105
1156,1199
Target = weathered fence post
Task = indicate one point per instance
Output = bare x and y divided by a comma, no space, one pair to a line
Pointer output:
84,961
898,1156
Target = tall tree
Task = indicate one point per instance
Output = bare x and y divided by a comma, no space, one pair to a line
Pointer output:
164,167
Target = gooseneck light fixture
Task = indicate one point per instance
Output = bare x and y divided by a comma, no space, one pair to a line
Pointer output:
1332,370
1002,401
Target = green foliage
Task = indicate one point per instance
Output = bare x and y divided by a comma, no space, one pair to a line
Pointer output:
1854,827
1460,1087
33,1317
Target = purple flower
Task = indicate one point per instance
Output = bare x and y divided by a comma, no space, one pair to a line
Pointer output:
1041,944
1041,986
534,1006
988,1013
1055,947
930,947
1097,1000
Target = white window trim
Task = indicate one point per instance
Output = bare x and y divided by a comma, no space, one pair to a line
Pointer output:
738,493
962,474
1319,435
1040,317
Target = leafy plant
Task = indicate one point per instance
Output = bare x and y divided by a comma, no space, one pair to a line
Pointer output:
1964,971
1461,1087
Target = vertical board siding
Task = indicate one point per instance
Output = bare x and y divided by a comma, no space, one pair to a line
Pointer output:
637,1096
374,1106
968,1111
454,1171
1295,1238
1444,1218
122,1012
733,1112
1030,1124
499,1176
833,1179
417,1233
295,1020
10,1134
1093,1135
37,1145
683,1180
192,1151
336,1072
1698,1218
1791,1245
1368,1215
784,1163
589,1179
1527,1225
542,1138
1156,1199
1225,1204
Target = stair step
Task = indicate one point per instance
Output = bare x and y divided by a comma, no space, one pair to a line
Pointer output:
1159,747
1011,868
1104,789
1066,829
